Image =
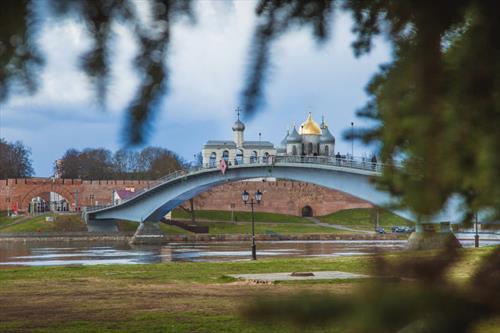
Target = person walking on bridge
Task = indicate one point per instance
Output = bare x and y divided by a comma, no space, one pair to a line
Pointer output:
338,157
374,162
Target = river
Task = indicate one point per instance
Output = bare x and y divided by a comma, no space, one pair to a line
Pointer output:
93,253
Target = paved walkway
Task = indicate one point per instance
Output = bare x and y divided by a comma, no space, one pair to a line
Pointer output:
336,226
324,275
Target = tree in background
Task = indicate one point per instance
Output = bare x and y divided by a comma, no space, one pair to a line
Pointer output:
436,104
100,163
70,166
126,163
156,162
15,161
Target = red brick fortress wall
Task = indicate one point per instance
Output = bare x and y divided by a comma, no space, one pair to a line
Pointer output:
75,191
285,197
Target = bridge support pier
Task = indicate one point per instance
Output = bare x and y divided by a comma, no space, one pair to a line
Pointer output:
102,226
147,233
428,236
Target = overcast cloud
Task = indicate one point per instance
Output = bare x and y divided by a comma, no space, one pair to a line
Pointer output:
207,63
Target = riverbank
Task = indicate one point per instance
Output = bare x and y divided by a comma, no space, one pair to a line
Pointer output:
219,223
191,238
177,297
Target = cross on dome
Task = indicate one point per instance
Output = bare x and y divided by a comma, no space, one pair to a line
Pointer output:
238,125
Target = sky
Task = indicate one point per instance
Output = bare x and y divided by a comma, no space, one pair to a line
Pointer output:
207,63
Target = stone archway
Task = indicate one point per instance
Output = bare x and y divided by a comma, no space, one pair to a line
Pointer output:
47,188
307,211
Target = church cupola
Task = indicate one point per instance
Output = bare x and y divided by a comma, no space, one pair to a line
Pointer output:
238,129
309,127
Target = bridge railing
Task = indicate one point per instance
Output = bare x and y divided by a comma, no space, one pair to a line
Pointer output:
358,163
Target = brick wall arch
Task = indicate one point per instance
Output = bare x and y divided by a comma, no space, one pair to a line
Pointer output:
286,197
37,191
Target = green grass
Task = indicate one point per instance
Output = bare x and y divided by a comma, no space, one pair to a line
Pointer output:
183,272
165,322
171,297
219,215
127,226
265,228
62,223
173,230
218,222
4,219
364,218
130,226
210,272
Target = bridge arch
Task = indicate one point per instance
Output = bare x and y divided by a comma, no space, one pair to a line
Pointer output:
353,178
153,204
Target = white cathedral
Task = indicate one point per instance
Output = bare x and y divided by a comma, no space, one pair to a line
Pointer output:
310,140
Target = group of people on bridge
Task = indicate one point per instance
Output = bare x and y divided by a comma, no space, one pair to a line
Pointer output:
338,159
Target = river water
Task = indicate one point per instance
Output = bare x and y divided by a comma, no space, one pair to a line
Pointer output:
93,253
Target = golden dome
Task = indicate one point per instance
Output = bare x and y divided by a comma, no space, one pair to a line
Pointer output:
310,127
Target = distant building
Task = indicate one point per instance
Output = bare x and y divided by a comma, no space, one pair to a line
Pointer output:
238,150
121,195
310,140
58,169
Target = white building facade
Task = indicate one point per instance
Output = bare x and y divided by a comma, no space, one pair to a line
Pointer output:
310,140
237,151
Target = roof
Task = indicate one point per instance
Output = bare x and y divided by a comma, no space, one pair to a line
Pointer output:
310,127
258,144
283,142
238,125
220,143
294,137
326,136
125,194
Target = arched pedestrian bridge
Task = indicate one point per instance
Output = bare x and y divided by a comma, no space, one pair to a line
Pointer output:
353,177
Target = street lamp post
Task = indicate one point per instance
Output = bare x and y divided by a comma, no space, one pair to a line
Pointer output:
258,197
352,140
476,236
260,150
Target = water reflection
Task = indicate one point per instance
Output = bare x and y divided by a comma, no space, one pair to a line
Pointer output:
85,253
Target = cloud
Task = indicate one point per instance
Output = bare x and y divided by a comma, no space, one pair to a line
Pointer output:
207,63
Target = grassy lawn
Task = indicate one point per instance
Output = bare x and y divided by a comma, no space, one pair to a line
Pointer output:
169,297
364,218
217,221
219,215
173,230
219,228
129,226
5,220
266,228
61,223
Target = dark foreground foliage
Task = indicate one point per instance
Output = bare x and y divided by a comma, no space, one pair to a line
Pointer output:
436,104
413,295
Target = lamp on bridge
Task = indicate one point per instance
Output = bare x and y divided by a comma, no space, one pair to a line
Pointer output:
245,196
